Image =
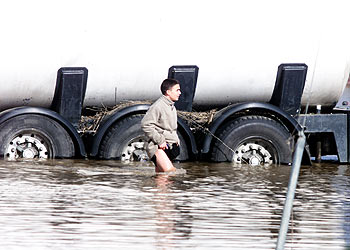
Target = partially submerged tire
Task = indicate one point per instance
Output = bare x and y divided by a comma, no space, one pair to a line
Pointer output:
32,136
254,140
125,141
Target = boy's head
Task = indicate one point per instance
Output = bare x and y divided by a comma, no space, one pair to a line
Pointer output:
171,88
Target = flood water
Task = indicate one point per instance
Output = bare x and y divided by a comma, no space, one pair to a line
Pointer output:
78,204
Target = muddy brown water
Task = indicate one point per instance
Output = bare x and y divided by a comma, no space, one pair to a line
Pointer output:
78,204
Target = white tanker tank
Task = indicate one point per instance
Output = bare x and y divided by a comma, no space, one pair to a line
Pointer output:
128,47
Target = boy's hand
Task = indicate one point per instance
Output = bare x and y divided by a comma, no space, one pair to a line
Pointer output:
163,146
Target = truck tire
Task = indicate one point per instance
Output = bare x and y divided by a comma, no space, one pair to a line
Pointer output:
125,141
33,137
254,140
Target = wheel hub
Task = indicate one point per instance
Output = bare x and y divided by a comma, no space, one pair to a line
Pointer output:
27,147
29,153
253,154
135,151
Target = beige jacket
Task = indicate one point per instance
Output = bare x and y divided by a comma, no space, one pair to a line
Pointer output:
160,124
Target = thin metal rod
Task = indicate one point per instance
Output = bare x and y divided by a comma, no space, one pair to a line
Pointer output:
293,180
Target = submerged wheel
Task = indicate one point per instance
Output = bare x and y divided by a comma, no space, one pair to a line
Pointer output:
34,137
125,141
254,140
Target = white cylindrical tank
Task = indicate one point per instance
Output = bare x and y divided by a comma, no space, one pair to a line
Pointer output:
128,47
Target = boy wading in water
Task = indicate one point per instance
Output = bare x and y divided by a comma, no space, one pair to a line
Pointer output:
160,125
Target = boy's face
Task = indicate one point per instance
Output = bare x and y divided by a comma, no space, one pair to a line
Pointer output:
174,93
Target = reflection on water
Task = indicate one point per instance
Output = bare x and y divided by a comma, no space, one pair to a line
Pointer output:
75,204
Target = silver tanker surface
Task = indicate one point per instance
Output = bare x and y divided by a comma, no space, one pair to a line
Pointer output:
128,47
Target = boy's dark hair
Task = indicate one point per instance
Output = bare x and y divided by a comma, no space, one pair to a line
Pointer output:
168,84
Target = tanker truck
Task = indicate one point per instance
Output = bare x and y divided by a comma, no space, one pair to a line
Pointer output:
78,76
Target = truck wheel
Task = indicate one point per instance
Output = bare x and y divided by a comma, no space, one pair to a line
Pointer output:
34,137
125,141
254,140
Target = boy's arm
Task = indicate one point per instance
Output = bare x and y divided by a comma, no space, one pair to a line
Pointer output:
149,125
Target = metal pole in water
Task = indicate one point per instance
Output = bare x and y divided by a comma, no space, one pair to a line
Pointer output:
293,180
